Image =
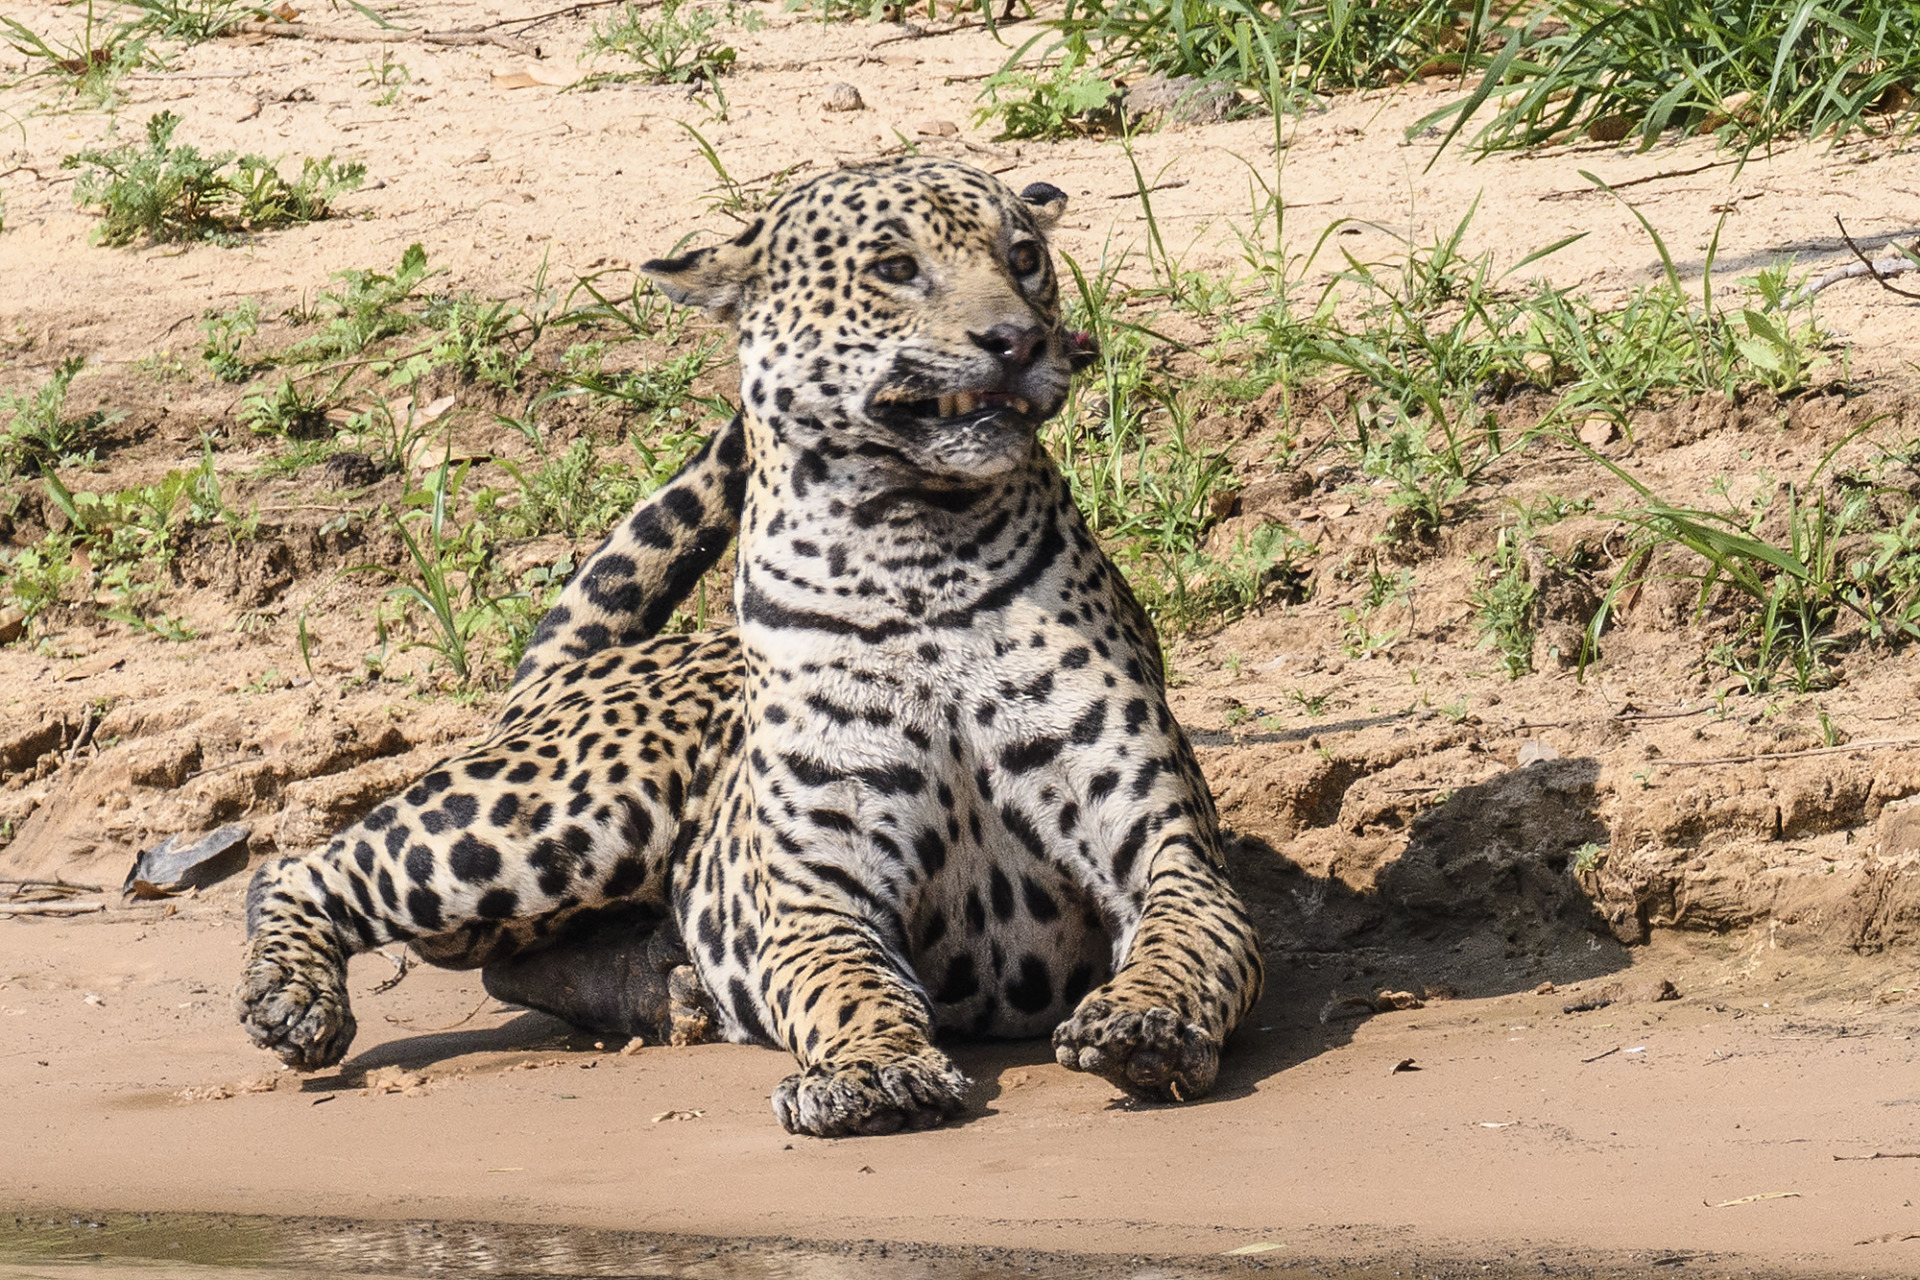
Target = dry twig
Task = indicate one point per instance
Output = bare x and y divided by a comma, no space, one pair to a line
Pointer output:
50,908
1879,268
399,35
1634,182
1867,745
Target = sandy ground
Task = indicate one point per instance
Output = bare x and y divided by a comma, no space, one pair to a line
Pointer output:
1719,1133
1385,839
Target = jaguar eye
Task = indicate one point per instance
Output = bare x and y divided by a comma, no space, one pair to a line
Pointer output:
898,269
1024,258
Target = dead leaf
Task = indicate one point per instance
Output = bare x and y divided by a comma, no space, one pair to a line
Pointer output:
677,1114
1405,1064
937,129
285,12
1388,1001
479,157
1596,431
1258,1246
516,80
100,662
428,454
1334,510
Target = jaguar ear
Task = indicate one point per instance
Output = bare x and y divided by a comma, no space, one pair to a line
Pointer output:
713,278
1047,202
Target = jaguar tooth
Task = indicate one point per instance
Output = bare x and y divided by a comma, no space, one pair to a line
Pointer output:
965,402
946,406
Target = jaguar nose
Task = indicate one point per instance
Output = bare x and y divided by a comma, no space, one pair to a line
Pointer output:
1012,344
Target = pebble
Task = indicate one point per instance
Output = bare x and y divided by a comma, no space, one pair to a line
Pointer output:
844,97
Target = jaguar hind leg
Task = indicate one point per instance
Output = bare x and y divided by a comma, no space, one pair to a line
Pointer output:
623,972
574,801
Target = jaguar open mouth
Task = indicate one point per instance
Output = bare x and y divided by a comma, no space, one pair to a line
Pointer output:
954,407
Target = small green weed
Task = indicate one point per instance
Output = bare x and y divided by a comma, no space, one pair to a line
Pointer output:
164,192
226,333
476,340
90,65
388,75
287,410
449,570
132,535
1503,601
1313,705
574,493
674,45
38,433
1195,589
1831,565
193,20
34,578
736,199
1066,99
368,306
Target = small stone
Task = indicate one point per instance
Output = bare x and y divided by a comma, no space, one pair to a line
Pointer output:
1532,751
1597,430
13,624
1898,830
1178,100
844,97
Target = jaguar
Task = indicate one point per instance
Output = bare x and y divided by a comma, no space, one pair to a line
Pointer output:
927,784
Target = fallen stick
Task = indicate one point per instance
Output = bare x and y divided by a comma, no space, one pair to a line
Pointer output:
300,31
1881,269
1651,177
68,885
1868,745
50,908
571,11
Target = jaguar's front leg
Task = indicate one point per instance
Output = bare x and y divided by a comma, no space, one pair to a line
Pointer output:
1189,975
861,1029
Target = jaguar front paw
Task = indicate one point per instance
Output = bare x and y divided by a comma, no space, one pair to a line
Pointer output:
300,1012
835,1100
1150,1052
